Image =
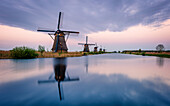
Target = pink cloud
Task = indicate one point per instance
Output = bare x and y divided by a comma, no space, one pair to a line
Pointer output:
135,35
145,37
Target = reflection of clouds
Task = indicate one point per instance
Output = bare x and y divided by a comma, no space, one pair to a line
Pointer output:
41,63
95,89
24,64
136,67
17,69
118,89
160,61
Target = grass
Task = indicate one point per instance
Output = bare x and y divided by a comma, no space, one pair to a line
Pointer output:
163,54
159,55
19,53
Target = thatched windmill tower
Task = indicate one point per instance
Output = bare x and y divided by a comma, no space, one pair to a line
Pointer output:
95,48
100,50
86,45
59,44
104,50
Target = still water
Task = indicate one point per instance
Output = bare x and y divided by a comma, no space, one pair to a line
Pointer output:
107,79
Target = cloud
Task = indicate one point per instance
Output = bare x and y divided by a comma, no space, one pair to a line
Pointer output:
139,36
12,37
85,16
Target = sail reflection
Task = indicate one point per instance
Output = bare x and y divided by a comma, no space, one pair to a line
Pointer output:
60,65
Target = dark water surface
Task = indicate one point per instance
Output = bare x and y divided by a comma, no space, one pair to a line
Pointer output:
108,79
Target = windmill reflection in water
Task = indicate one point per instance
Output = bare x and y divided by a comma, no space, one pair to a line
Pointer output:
60,74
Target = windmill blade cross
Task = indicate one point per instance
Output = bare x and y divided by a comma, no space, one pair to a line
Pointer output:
51,36
45,30
91,44
86,39
59,20
80,43
71,32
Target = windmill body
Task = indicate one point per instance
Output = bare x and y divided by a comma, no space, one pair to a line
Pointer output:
86,45
95,48
59,44
100,50
86,48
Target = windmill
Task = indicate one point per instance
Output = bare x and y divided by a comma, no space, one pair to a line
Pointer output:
95,48
104,50
59,70
86,45
59,44
100,48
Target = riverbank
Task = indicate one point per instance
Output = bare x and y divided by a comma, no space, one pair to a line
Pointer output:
158,54
7,54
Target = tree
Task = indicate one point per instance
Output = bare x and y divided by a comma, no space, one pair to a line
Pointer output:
41,49
160,47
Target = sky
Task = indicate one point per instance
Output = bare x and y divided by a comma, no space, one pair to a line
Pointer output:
112,24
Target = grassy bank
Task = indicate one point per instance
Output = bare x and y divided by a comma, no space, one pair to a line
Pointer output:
55,55
158,54
7,54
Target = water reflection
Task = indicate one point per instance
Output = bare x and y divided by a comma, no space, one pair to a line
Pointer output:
60,65
41,63
23,64
86,63
160,61
112,79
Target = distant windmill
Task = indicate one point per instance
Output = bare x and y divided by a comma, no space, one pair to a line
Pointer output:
100,48
86,45
104,50
59,44
95,48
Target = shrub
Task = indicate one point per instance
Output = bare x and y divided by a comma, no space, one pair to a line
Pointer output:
84,54
91,52
143,53
23,53
41,49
